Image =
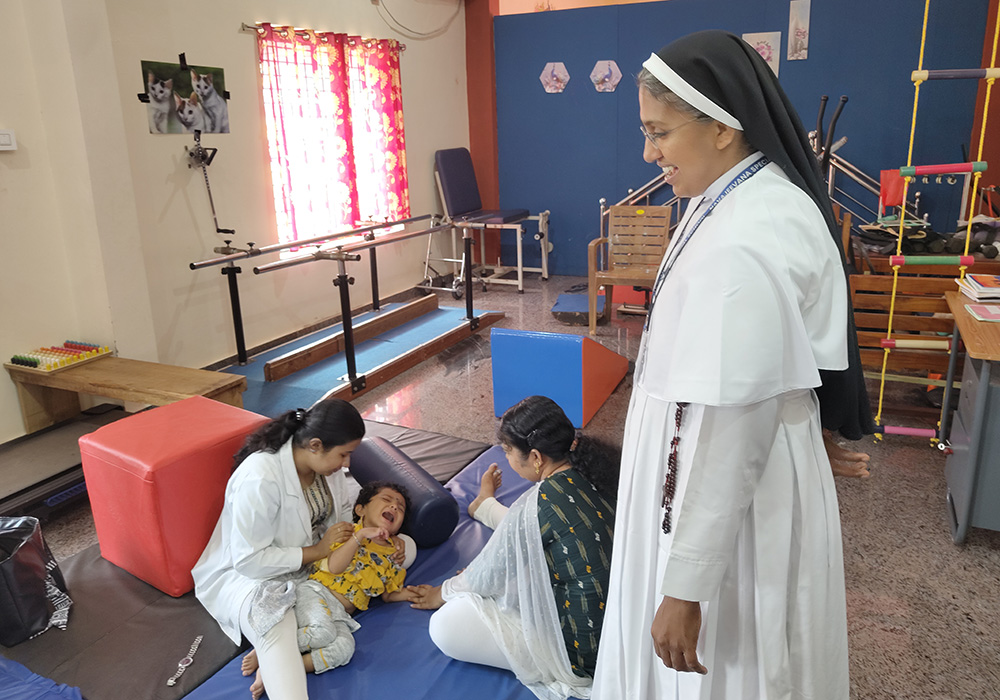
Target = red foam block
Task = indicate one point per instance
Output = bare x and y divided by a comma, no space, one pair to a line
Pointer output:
156,482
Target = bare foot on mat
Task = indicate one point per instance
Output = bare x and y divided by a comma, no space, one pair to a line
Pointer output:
488,485
257,687
249,664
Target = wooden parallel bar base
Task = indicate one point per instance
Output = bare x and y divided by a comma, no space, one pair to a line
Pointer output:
396,366
48,398
306,356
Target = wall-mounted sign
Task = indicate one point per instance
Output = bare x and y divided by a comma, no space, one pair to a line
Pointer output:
605,76
554,77
768,45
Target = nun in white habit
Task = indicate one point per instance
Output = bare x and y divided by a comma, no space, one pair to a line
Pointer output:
727,576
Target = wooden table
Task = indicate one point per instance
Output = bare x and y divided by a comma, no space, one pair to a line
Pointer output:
972,470
47,398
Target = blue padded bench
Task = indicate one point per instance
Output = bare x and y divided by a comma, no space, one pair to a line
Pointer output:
456,179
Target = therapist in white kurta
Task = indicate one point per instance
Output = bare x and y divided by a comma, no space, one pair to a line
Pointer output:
261,532
734,587
285,505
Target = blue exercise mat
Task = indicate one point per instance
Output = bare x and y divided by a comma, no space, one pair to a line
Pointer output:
576,304
394,650
18,683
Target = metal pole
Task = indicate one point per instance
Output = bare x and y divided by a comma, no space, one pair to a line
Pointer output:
949,378
303,243
231,271
373,261
342,282
467,264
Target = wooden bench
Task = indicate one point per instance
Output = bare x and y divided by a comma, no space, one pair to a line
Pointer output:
47,398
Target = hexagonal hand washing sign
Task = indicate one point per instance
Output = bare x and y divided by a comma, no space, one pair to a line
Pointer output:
605,76
554,77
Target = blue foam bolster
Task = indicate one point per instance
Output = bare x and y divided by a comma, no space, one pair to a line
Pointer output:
433,512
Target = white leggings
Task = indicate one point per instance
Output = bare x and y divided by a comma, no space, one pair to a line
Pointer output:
281,667
458,631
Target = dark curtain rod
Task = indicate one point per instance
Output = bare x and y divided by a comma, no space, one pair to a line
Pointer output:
255,28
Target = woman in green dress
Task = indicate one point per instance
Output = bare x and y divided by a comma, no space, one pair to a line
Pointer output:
533,600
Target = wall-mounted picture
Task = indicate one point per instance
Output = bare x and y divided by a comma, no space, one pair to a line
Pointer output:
186,99
554,77
768,45
798,30
605,76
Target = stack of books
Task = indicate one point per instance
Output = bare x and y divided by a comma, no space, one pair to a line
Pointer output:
980,287
984,312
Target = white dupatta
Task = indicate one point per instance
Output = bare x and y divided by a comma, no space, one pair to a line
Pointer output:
510,586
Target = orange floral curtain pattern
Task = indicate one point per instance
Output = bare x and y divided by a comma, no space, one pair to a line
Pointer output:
319,129
380,143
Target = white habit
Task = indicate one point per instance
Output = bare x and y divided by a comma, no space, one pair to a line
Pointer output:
753,307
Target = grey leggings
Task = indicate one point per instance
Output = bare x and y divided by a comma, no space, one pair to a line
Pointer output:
325,629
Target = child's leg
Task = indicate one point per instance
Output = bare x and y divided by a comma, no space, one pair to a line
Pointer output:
335,654
324,628
458,630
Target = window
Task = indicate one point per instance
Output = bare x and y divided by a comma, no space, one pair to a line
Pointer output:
334,116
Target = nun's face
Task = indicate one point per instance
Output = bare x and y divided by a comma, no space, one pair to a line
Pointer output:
693,154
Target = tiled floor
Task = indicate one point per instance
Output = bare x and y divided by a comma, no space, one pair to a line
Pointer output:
923,613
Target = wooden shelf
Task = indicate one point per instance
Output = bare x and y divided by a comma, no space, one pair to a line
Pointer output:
49,397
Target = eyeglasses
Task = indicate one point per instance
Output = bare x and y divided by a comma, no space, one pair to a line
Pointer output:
657,136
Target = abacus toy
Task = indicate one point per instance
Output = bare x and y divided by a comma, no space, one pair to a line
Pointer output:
55,358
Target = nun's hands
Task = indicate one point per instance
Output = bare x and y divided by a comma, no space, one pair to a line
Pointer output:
675,630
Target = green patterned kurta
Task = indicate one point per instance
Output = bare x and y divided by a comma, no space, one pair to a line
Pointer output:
577,529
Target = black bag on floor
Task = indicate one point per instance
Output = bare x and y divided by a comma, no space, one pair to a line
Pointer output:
32,589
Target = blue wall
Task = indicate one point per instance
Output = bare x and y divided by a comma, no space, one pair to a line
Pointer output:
565,151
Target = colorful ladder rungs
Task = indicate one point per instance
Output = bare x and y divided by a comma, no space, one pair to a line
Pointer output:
958,260
912,432
978,166
955,74
914,344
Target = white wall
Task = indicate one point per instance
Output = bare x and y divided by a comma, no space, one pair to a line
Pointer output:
100,219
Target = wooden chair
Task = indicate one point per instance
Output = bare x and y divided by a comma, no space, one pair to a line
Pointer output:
920,313
636,241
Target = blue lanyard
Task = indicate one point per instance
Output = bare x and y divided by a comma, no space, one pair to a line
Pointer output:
750,171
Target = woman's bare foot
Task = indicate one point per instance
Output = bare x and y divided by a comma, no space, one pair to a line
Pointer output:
488,485
257,687
844,462
249,664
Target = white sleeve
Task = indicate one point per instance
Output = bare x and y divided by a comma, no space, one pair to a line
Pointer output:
490,512
731,452
410,547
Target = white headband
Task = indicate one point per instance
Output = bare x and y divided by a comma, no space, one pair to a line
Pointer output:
680,87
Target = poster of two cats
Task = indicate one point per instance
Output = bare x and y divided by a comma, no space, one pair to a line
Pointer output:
185,99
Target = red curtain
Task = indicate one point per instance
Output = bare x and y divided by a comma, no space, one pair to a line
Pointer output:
333,113
380,144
